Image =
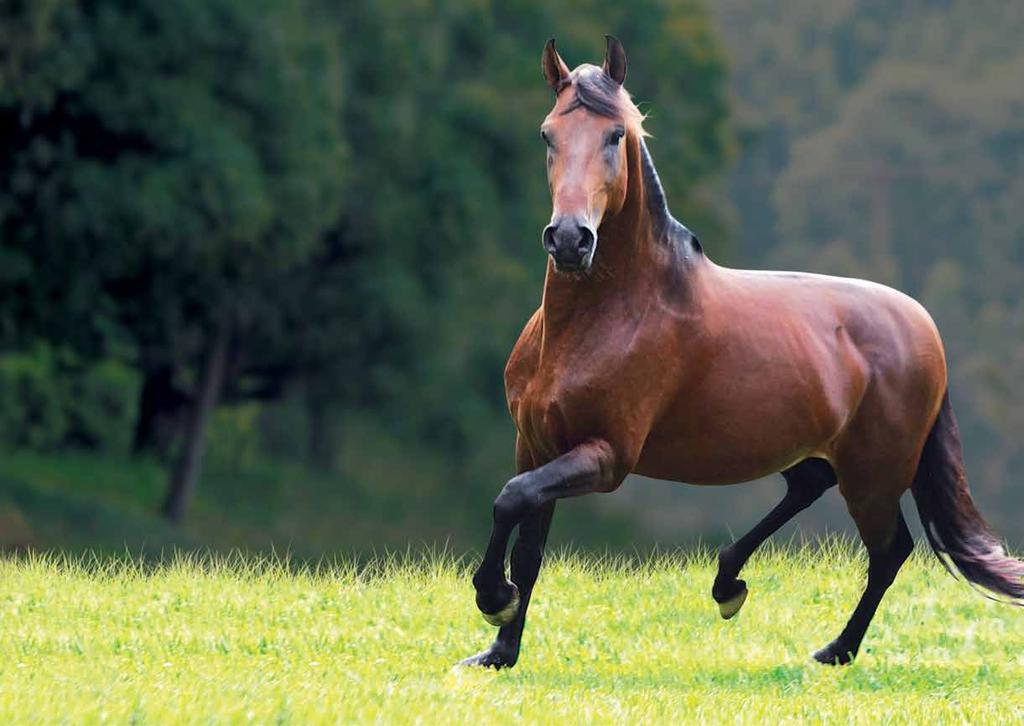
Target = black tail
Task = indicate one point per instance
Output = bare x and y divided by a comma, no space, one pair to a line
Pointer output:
955,530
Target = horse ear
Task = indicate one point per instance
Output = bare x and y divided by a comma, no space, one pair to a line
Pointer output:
615,59
555,69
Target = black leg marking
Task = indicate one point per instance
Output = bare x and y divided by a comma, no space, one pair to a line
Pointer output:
587,468
883,565
805,483
527,555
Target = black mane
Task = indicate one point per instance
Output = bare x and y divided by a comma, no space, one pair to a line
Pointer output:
666,227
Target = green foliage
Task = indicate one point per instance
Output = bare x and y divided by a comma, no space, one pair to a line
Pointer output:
234,436
355,191
182,171
169,187
49,399
200,640
100,401
31,413
35,59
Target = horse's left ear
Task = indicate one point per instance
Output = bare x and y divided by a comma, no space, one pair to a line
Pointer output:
555,70
615,59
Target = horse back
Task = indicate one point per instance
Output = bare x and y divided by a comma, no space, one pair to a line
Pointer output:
780,367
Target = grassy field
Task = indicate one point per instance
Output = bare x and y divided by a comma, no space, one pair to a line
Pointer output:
242,640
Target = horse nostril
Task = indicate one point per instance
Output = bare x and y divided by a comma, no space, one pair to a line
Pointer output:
548,239
586,241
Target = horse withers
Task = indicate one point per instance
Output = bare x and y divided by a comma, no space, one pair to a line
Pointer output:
647,357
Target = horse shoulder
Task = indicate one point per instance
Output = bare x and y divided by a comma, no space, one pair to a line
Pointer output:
522,361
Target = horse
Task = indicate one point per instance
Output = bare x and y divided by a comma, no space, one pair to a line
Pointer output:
647,357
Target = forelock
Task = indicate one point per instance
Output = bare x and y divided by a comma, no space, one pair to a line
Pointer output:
594,90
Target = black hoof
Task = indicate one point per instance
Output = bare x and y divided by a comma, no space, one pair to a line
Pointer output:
496,657
835,654
499,607
730,597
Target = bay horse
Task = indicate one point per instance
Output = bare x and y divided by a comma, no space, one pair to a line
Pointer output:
645,356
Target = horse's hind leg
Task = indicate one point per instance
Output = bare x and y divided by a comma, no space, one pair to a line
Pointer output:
805,483
889,543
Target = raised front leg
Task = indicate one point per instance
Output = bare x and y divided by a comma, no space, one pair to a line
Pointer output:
805,483
526,560
590,467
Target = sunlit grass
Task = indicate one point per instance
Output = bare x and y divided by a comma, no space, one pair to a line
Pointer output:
205,640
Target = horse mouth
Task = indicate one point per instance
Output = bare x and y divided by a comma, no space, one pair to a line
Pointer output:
573,268
578,267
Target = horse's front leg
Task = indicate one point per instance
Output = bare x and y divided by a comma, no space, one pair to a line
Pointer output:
589,467
526,559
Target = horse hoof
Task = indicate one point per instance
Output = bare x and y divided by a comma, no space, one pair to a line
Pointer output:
508,613
494,657
732,606
834,654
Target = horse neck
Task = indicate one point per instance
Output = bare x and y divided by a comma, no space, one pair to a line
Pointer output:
637,250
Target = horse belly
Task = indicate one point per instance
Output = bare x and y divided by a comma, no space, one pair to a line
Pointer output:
741,428
723,459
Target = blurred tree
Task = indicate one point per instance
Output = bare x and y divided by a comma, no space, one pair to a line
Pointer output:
185,190
163,189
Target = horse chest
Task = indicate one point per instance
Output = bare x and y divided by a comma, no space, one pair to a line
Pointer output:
542,415
594,380
558,405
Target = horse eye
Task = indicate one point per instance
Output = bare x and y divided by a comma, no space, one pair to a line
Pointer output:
616,137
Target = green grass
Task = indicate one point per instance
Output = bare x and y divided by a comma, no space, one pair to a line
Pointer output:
202,640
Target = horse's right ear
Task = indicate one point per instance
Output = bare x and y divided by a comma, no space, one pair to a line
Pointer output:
555,69
615,60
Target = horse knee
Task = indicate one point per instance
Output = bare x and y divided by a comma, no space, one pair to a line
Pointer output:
514,500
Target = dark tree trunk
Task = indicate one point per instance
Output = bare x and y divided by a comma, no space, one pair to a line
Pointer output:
186,470
160,403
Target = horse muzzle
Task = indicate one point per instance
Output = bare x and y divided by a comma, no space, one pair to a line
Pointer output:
570,244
